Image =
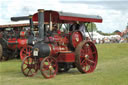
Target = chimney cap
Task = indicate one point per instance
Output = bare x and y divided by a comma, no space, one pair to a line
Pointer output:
40,10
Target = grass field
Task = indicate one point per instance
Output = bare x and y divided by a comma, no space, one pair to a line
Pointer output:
112,69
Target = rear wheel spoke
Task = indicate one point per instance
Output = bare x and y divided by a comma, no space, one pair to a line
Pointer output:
91,61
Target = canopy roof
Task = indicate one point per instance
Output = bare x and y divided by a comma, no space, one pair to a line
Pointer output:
65,17
16,25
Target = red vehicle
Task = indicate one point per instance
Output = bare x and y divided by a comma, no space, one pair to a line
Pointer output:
61,44
13,38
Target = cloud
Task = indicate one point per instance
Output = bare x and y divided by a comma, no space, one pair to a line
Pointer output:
11,8
114,13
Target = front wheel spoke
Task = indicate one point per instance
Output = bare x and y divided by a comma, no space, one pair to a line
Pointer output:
50,72
25,68
28,72
25,63
46,67
48,61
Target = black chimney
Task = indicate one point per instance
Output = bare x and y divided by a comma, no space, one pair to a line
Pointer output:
41,23
31,24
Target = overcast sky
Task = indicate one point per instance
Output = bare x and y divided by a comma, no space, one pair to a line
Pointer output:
113,12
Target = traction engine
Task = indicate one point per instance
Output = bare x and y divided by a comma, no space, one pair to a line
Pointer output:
14,40
57,51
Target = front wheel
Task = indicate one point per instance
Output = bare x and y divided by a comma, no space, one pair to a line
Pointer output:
29,66
49,67
86,57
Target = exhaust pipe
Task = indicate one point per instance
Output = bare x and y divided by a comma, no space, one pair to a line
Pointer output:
20,18
41,23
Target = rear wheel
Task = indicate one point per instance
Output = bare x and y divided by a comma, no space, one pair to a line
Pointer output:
49,67
86,57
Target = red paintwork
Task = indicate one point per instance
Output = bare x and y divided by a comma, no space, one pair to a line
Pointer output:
56,49
57,39
49,67
76,38
83,55
17,43
88,49
58,18
66,57
29,66
69,18
25,51
22,34
59,46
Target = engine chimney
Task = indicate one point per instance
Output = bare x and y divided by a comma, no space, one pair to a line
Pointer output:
41,23
31,24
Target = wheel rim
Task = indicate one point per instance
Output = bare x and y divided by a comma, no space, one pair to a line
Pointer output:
29,66
26,51
86,57
49,67
76,38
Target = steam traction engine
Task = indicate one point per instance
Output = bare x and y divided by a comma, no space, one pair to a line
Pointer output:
59,51
13,39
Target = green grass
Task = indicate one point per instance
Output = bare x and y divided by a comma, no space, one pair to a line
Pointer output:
112,69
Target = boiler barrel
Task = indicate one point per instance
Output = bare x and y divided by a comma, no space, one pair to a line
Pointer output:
45,50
